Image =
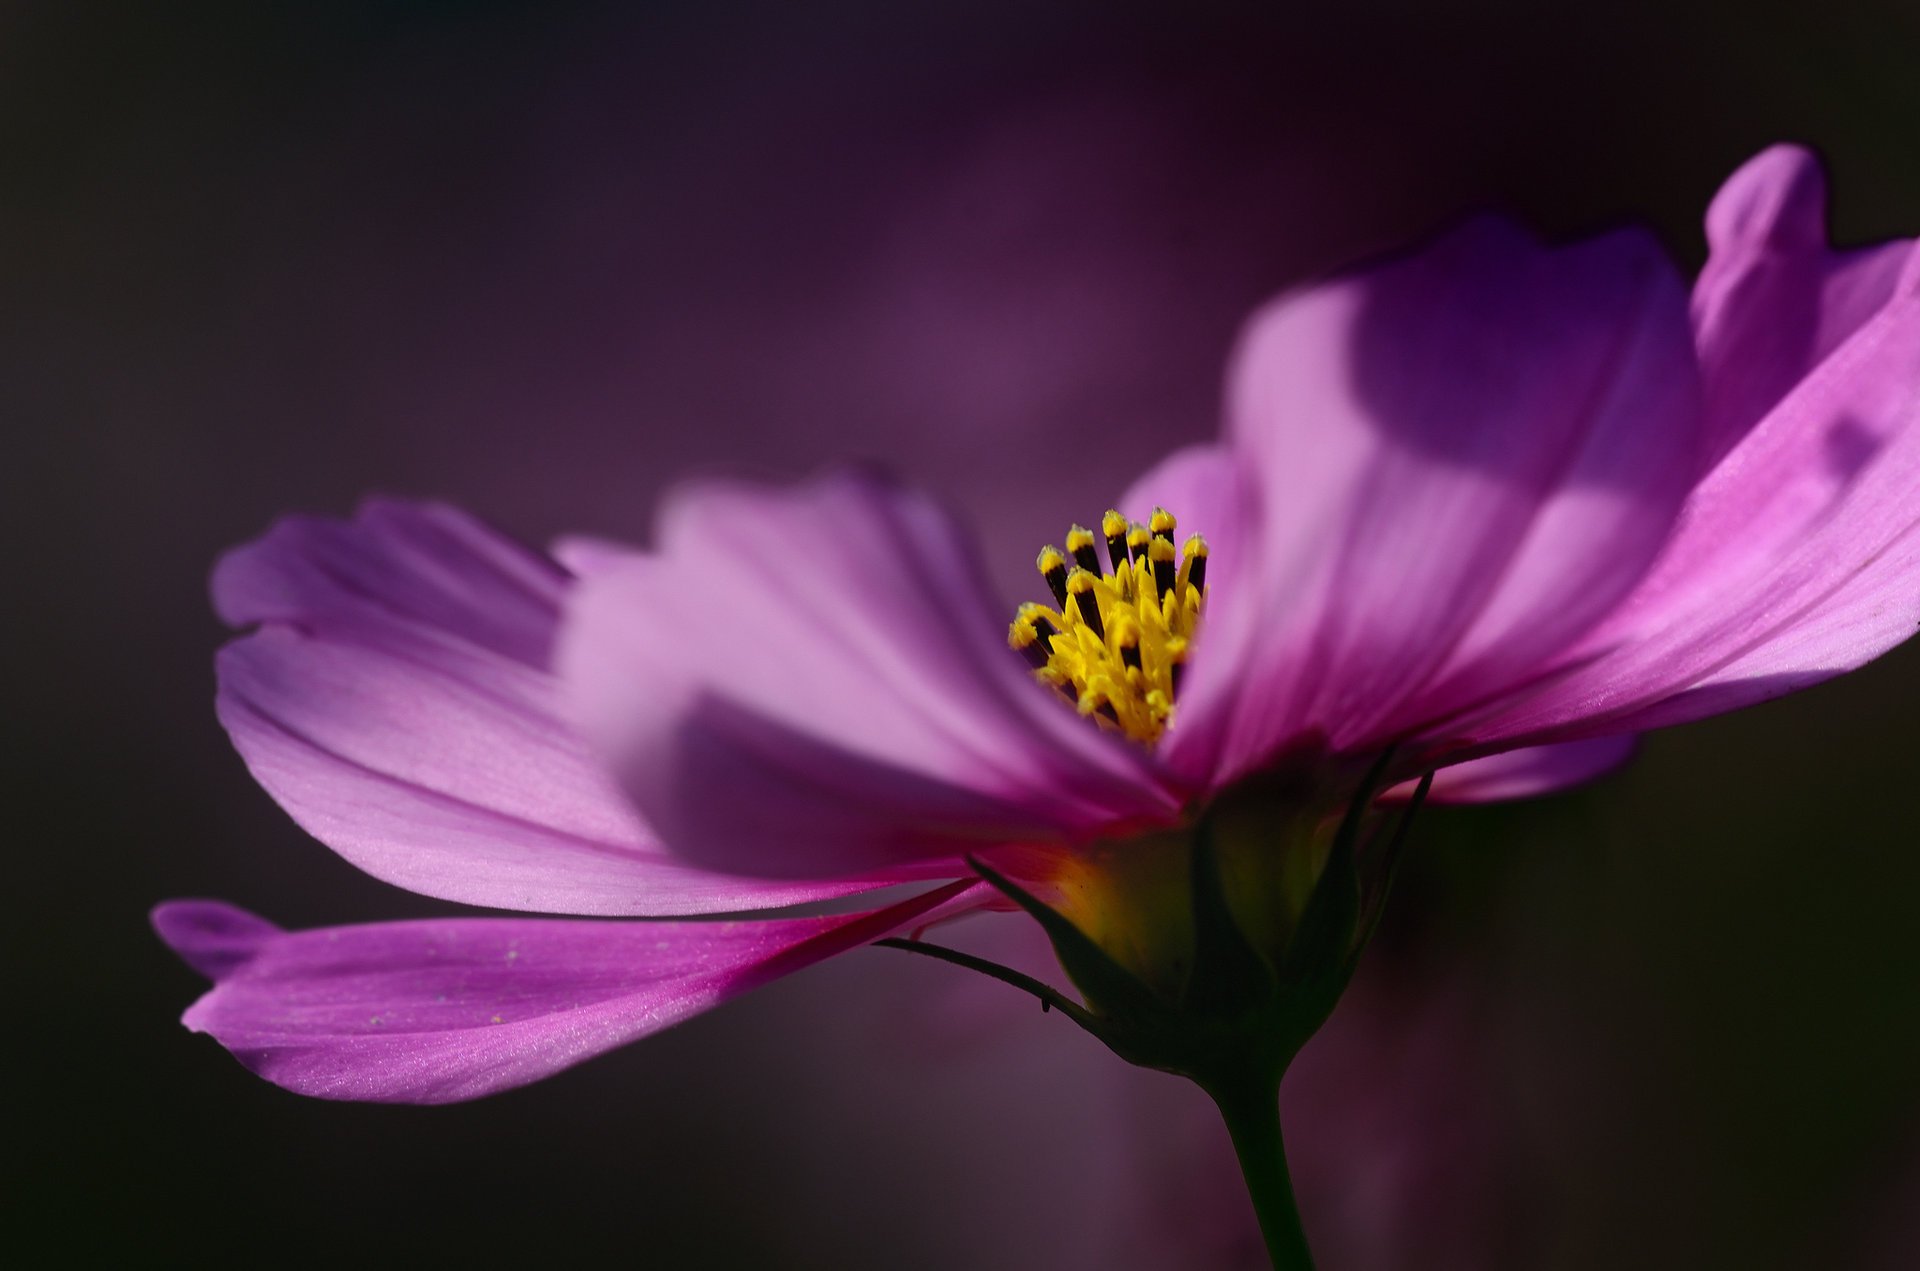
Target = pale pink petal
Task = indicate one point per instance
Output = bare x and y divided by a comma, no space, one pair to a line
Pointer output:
584,554
1524,774
1795,560
446,1009
395,700
1775,299
813,681
1464,459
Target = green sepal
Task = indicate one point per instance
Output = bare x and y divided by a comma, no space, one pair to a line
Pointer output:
1110,988
1324,937
1239,1015
1228,976
1050,998
1385,864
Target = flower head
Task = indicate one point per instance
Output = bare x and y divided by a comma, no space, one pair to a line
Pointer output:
1492,507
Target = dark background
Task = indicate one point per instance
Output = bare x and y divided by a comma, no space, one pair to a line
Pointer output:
544,259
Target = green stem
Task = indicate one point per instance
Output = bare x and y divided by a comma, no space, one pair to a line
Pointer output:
1251,1108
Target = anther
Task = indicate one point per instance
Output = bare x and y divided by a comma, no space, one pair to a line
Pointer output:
1114,527
1025,641
1081,585
1053,567
1126,638
1080,547
1195,553
1160,552
1162,525
1094,701
1115,646
1039,621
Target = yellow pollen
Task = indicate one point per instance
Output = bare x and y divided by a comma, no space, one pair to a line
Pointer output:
1117,641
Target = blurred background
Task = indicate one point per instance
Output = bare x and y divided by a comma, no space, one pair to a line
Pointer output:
543,260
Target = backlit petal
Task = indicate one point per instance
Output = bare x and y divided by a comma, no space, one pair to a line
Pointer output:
1464,459
1775,299
810,681
1796,559
1523,774
395,700
441,1010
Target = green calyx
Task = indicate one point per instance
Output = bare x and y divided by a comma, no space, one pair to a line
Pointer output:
1251,978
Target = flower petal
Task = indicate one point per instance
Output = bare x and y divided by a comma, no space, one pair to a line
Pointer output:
814,681
441,1010
584,554
395,700
1775,299
1464,459
1523,774
1797,558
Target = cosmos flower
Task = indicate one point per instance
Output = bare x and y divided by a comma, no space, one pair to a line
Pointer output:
1492,508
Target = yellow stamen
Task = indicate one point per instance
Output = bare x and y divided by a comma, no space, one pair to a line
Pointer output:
1053,567
1160,556
1193,569
1080,547
1113,528
1117,643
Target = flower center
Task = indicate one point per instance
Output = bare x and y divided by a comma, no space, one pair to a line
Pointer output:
1117,642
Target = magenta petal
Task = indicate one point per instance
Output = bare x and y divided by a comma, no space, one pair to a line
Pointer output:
1775,299
395,700
1796,559
1522,774
397,567
441,1010
815,681
1464,458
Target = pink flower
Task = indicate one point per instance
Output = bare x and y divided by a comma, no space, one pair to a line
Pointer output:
1494,506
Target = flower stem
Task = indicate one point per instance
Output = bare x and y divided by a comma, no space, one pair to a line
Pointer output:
1251,1108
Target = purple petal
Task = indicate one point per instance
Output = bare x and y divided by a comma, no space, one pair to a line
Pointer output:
1464,459
396,702
1796,559
814,681
1523,774
441,1010
410,568
1774,299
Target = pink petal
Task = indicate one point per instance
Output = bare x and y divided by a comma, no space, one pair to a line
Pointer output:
814,681
1775,299
396,702
1523,774
1464,459
1796,559
441,1010
584,554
